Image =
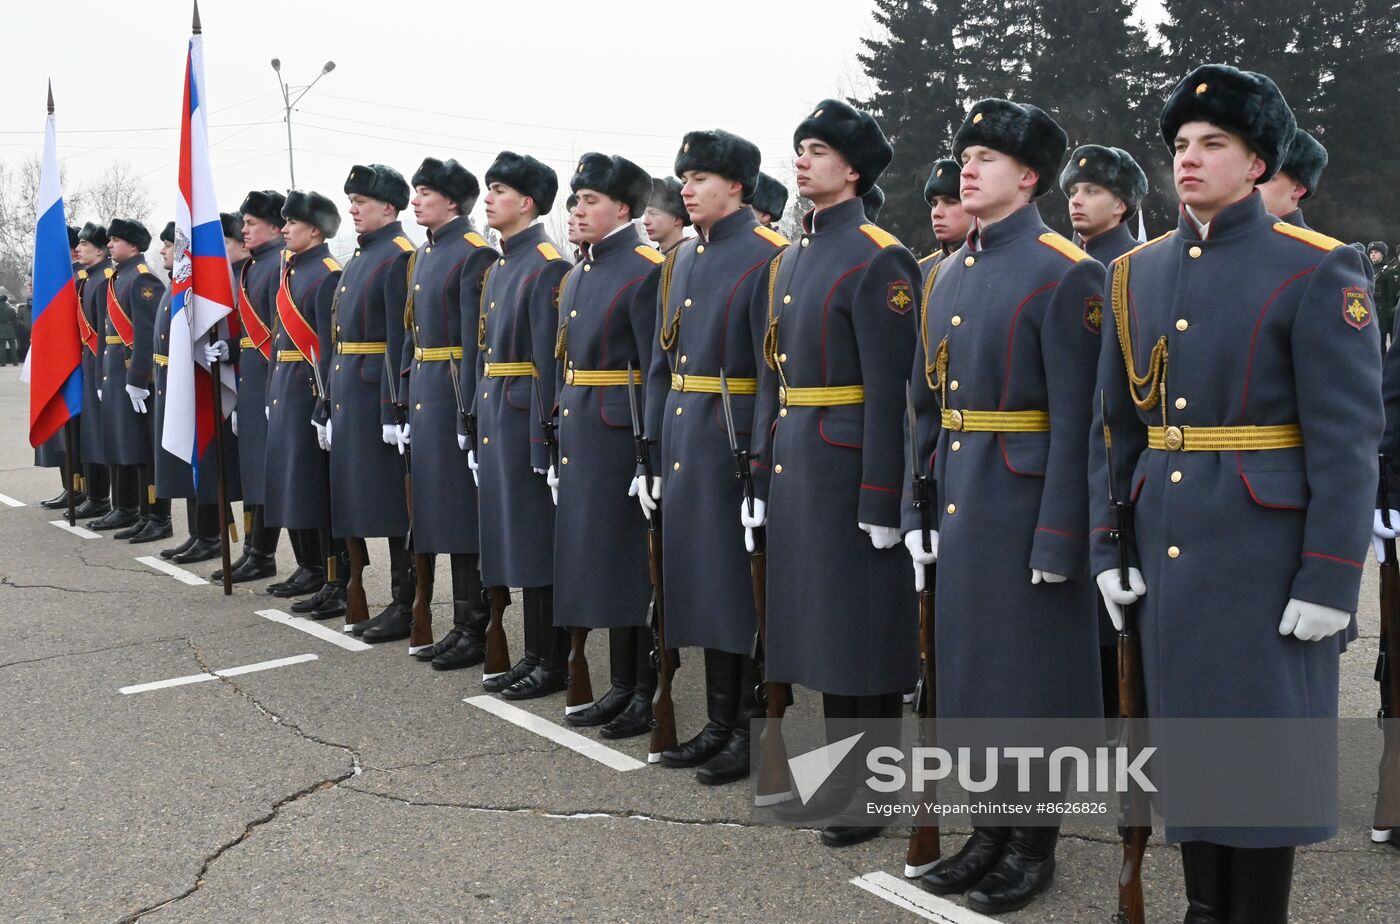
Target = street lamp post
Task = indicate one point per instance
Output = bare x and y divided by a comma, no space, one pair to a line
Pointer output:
288,102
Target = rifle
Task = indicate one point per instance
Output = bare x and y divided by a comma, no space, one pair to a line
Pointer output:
923,849
1132,700
664,660
1388,676
421,635
579,694
497,647
773,785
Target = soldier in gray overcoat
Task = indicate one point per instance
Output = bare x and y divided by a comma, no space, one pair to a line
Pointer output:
705,326
1246,438
92,296
607,311
950,222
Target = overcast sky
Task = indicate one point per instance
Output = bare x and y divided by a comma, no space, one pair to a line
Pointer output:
415,78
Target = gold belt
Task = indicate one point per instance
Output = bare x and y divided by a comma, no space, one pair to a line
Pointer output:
997,421
290,356
114,340
160,360
365,348
510,370
247,344
436,354
601,377
1224,439
709,384
821,397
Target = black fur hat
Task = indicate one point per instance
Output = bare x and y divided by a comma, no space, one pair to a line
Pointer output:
131,231
873,202
527,176
167,234
719,151
854,133
769,196
613,176
314,209
94,234
451,179
666,197
73,232
233,225
1305,161
1112,168
1243,102
378,182
570,202
943,180
1024,132
265,205
1380,246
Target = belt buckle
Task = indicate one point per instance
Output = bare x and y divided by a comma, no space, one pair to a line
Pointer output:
487,369
1173,439
782,395
680,382
569,377
955,420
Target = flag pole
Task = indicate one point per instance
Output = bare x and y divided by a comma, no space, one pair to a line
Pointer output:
70,448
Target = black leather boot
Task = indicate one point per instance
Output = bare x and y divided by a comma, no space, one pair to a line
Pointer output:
255,567
731,764
469,617
59,500
191,526
198,551
1026,869
93,507
1206,868
550,673
722,679
157,527
622,663
401,584
529,659
635,718
966,868
116,518
311,571
1261,880
134,529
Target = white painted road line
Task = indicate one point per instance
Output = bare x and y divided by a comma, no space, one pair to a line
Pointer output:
310,627
556,733
9,501
910,897
226,672
175,571
75,530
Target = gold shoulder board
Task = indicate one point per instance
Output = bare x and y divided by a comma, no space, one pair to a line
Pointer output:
476,240
1308,236
880,236
404,244
1063,246
82,274
650,253
142,268
108,272
331,265
771,236
547,250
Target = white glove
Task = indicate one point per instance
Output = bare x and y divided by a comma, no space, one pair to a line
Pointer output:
386,433
323,435
882,537
138,398
914,542
644,497
1046,577
538,471
471,459
401,437
1115,597
752,521
462,443
233,422
552,480
1312,622
1380,532
216,352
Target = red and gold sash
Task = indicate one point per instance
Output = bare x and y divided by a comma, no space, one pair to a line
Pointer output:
253,326
302,333
86,334
120,319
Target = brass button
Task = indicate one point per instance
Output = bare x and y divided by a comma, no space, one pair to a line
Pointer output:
782,412
337,406
416,287
687,303
337,367
1194,252
957,320
1181,404
274,400
588,267
679,410
953,385
490,350
1176,477
485,395
418,407
777,469
564,460
342,288
952,508
428,249
806,241
675,467
1173,552
503,261
566,412
492,305
485,440
700,248
573,313
787,299
1181,324
782,357
969,260
957,444
685,359
357,251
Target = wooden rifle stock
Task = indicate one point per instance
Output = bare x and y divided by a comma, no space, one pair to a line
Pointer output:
421,635
497,647
580,691
663,709
773,785
923,848
356,606
1132,709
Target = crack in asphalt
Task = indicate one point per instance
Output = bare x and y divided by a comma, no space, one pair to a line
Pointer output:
370,768
8,582
88,651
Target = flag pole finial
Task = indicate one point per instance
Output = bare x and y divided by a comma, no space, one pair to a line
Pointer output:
50,96
197,28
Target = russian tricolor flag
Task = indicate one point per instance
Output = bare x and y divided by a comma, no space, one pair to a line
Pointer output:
55,365
201,284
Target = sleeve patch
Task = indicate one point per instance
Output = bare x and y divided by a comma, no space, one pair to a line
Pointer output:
1356,307
1093,314
649,253
148,292
899,296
